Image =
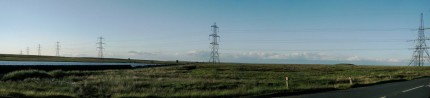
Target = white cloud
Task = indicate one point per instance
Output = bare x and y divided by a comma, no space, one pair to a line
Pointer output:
391,60
306,56
139,53
198,53
353,58
267,57
290,56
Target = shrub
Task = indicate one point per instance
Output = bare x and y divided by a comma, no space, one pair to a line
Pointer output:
57,73
23,74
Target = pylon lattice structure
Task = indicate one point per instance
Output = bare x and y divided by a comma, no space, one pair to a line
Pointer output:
39,50
420,54
28,51
100,48
214,56
57,53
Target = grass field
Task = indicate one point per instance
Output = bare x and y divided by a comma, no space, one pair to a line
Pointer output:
202,80
12,57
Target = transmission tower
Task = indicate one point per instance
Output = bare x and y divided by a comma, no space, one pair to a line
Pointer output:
28,51
420,54
214,57
100,48
57,52
20,52
38,50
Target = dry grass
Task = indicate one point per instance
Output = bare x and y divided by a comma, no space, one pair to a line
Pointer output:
206,80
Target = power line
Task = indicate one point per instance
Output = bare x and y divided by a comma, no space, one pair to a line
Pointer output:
333,30
352,49
420,53
100,47
317,41
214,57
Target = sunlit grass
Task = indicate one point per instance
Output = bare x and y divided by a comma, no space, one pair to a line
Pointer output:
207,80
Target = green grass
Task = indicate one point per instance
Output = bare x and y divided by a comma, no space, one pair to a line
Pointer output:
12,57
207,80
24,74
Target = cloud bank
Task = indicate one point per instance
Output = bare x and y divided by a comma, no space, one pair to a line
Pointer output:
270,57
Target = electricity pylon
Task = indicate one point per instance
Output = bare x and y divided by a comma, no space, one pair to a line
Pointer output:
214,57
420,54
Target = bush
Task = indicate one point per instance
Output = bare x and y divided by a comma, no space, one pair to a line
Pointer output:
23,74
57,73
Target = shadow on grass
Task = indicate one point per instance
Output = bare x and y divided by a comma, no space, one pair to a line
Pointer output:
20,95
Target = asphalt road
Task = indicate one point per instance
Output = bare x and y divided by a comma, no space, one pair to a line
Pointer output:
419,88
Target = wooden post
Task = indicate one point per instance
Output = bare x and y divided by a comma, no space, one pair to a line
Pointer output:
350,80
286,81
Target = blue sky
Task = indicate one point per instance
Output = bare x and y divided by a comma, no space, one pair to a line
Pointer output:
372,32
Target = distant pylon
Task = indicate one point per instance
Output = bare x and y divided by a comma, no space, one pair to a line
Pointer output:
100,48
420,54
38,50
214,56
20,52
28,51
57,52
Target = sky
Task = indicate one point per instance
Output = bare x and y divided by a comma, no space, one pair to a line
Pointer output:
370,32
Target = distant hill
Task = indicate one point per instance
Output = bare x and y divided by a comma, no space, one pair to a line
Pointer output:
13,57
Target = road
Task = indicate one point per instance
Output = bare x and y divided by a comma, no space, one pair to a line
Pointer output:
419,88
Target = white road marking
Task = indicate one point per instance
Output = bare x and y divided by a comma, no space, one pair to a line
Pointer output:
413,88
384,97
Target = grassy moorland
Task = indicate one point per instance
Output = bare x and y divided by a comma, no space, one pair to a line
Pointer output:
200,80
12,57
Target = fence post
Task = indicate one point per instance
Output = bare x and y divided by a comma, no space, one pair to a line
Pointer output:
350,80
286,81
